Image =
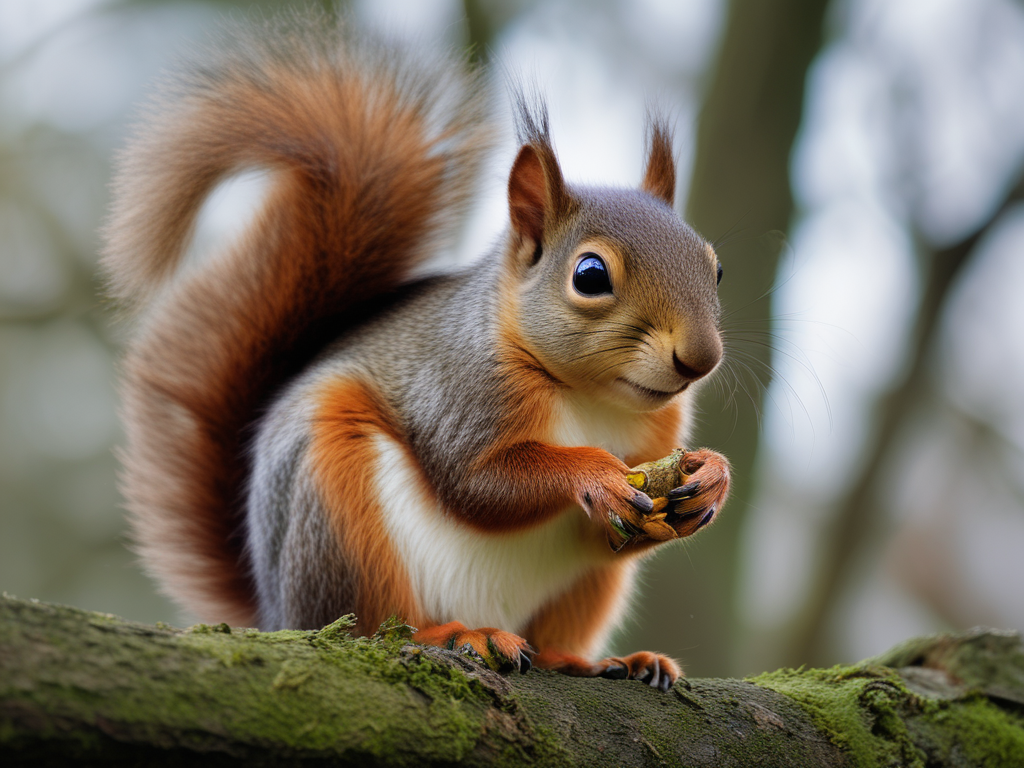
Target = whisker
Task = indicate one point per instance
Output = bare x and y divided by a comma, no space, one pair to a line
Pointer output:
731,388
798,358
741,382
600,352
615,365
735,228
617,335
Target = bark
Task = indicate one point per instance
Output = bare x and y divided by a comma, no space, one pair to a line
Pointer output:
80,688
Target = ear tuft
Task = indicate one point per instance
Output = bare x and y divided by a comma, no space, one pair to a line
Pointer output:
660,175
536,191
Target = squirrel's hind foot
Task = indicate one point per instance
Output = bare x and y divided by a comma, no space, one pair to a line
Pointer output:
655,669
499,650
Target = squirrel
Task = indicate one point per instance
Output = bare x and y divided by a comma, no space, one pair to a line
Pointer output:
317,426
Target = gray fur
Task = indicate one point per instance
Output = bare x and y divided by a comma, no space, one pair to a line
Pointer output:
300,574
316,586
431,356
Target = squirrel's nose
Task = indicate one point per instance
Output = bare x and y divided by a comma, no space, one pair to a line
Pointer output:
697,364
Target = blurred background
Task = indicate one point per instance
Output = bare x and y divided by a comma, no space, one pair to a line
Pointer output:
858,164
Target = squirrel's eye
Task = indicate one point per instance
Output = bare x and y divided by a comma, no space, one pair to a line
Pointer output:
719,280
591,276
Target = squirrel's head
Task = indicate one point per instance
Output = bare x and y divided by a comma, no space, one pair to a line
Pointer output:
616,295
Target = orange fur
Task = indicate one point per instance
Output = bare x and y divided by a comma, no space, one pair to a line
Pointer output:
344,464
660,174
571,621
487,641
365,177
541,480
531,388
564,632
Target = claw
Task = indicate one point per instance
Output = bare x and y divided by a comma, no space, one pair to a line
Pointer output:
642,503
525,665
615,672
684,491
665,684
707,518
621,532
677,517
655,673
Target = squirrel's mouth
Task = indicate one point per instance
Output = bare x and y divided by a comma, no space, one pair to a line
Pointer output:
652,394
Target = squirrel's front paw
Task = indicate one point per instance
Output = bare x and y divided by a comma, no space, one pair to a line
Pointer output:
687,488
618,505
694,504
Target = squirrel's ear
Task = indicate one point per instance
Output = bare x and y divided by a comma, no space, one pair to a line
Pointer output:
660,176
536,192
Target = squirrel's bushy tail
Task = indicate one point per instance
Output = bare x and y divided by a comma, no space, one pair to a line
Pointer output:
372,152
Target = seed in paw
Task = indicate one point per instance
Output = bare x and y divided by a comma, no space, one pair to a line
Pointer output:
659,530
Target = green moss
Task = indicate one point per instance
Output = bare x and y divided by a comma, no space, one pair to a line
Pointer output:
857,707
293,674
394,630
320,693
972,731
339,629
869,712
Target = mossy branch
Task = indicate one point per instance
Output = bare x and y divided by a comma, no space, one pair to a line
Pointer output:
80,688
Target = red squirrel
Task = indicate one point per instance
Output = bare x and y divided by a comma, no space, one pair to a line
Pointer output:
315,429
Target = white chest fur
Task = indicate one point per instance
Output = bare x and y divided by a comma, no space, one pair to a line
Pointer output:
459,574
580,421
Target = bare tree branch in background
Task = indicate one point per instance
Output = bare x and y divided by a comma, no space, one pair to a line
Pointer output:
485,20
860,512
923,555
751,112
480,28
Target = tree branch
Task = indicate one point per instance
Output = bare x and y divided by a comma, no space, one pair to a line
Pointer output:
79,688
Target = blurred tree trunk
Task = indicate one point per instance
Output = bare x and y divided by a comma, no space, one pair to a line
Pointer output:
747,125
